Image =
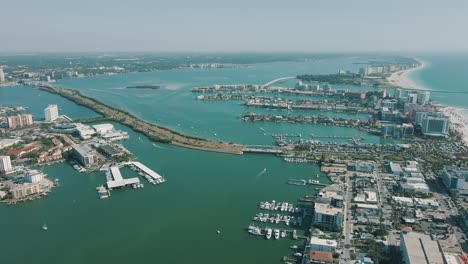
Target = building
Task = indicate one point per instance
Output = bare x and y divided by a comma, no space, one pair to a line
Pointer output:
2,75
8,142
395,168
414,185
412,98
51,113
435,124
34,176
19,191
419,248
103,128
389,103
423,97
19,121
319,244
5,164
386,114
319,257
361,166
327,216
84,155
455,178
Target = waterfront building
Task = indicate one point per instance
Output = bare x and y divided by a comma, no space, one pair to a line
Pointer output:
419,248
319,244
391,104
19,121
387,114
456,178
34,176
435,124
5,164
423,97
19,191
412,98
103,128
327,216
84,154
2,75
318,257
51,113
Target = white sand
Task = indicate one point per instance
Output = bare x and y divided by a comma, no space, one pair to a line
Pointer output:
402,78
458,120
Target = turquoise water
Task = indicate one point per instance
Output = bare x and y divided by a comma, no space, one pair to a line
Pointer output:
446,72
176,221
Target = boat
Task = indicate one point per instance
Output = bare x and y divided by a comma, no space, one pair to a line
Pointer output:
318,176
268,234
298,254
283,233
218,232
254,230
215,134
294,247
44,227
277,234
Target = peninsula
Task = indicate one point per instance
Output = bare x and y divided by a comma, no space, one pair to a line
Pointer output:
152,131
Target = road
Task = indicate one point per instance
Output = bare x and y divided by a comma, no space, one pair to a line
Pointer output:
347,221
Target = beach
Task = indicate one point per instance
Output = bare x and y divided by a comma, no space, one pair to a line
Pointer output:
458,120
402,78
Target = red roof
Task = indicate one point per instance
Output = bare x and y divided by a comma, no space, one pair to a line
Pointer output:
406,229
321,256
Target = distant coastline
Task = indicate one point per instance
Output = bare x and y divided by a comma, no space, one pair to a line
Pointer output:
403,79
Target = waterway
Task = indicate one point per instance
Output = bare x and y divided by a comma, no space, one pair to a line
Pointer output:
204,192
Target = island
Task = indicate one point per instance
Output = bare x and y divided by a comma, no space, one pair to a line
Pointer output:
153,132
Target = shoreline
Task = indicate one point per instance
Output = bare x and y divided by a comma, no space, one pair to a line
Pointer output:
402,78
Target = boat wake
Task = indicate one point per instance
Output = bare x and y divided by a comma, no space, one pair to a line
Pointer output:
156,146
262,172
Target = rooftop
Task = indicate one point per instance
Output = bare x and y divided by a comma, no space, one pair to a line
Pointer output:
326,209
421,249
323,242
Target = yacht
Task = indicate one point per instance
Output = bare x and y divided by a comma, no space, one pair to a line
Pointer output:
268,234
253,230
44,227
283,233
277,234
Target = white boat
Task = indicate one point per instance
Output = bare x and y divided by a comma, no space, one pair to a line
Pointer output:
293,246
218,232
44,227
254,230
283,233
298,254
269,232
277,234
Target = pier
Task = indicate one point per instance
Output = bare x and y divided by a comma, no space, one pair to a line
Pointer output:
146,171
118,180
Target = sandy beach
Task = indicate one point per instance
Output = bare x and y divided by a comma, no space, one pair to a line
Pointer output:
403,80
458,120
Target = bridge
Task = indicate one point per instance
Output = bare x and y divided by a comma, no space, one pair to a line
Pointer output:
278,80
433,91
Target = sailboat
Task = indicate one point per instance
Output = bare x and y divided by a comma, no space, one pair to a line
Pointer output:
44,227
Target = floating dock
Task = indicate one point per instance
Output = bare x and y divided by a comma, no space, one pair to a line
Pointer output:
147,171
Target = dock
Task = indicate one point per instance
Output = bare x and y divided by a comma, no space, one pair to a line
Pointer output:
118,180
146,171
262,150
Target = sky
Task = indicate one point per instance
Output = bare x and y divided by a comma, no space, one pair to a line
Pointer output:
233,26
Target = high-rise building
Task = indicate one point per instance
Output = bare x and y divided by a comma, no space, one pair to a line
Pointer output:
34,176
423,97
419,248
5,164
327,216
51,113
455,177
19,121
412,98
2,75
435,124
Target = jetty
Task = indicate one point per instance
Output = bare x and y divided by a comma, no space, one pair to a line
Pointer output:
118,180
153,132
267,150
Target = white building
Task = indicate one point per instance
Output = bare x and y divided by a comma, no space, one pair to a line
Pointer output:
322,244
84,154
103,128
5,164
327,216
423,97
418,248
412,98
34,176
455,178
2,75
435,125
51,113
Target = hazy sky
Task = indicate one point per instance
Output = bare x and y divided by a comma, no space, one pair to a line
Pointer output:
237,25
